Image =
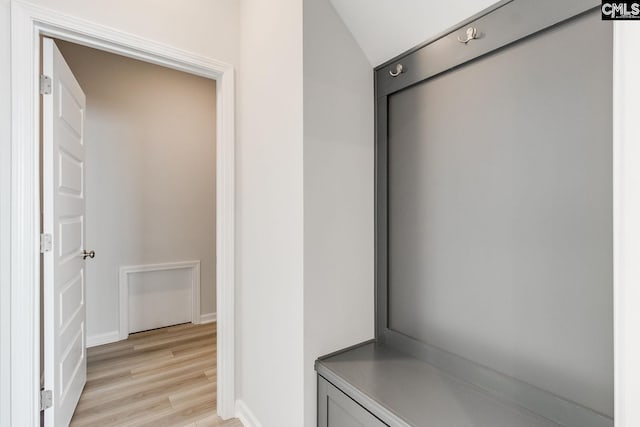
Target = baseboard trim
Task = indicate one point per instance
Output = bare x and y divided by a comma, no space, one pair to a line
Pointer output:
208,318
244,414
105,338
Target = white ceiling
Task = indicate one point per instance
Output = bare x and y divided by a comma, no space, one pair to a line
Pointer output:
386,28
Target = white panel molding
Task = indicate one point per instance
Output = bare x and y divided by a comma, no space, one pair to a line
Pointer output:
244,414
123,283
626,222
28,23
101,339
208,318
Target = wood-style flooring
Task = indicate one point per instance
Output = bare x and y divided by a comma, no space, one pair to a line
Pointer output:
163,377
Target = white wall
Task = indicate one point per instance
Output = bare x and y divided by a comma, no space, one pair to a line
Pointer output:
272,357
385,29
270,212
331,179
5,192
270,250
150,177
338,191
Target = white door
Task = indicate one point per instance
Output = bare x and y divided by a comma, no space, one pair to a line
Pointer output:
65,362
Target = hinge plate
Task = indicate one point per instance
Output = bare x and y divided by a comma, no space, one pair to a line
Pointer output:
45,243
46,399
45,85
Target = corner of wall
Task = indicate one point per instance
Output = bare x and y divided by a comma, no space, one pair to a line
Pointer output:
208,317
244,414
338,192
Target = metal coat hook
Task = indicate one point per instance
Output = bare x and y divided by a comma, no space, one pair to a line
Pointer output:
472,33
399,70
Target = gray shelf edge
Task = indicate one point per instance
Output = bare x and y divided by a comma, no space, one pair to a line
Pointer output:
344,350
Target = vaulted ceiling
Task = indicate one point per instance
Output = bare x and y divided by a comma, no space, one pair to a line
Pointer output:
386,28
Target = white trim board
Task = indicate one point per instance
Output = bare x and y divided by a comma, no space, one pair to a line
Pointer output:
28,23
244,414
626,222
208,318
126,271
101,339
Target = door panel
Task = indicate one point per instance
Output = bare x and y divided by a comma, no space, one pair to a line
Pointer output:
70,237
71,173
63,217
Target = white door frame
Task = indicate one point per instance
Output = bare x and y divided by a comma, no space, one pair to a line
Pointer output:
28,23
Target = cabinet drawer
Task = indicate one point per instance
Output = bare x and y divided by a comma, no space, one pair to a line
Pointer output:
336,409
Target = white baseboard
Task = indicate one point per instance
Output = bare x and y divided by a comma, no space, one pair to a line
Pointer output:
208,318
106,338
244,414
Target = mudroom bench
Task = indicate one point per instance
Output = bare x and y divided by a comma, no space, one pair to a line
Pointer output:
493,230
374,385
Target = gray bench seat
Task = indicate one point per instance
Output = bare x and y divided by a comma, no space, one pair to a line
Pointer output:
399,390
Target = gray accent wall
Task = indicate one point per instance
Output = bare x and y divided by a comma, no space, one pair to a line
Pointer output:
499,212
338,192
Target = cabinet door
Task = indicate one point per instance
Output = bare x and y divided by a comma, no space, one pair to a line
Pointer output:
336,409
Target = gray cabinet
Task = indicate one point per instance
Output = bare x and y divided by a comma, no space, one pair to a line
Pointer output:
493,230
336,409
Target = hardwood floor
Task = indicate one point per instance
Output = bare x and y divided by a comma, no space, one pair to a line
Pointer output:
163,377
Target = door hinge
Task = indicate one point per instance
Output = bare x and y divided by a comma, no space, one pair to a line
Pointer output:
46,399
45,243
45,85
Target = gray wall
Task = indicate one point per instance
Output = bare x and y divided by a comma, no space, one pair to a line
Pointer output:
338,196
150,174
500,221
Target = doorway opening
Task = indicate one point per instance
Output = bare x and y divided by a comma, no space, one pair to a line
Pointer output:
29,24
128,194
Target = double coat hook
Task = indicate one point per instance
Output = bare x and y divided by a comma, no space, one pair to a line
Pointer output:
471,34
